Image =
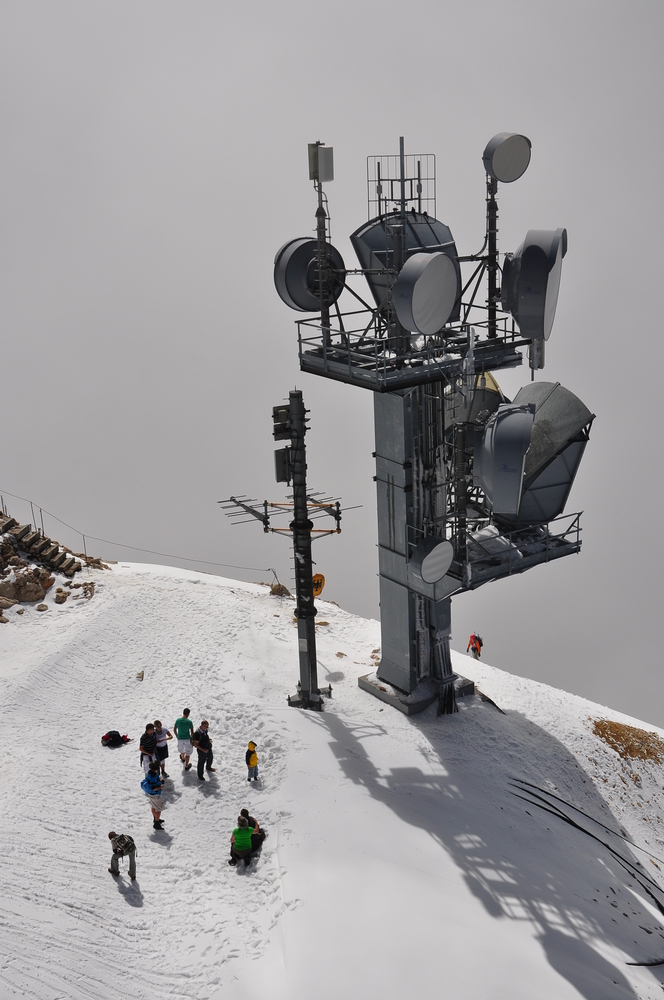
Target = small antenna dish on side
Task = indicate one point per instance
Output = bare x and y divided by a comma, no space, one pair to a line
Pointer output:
425,292
432,558
507,156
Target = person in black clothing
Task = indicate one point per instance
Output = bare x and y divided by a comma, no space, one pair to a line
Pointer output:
258,835
203,744
148,747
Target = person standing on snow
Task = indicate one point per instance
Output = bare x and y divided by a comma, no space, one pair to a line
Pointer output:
184,729
123,847
203,744
148,747
152,786
475,645
162,736
251,761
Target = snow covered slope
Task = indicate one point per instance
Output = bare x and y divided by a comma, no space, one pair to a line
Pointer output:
442,856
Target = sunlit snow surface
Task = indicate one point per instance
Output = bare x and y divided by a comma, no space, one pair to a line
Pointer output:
400,857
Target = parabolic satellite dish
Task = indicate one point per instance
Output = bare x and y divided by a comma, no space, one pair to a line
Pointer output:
507,156
296,274
500,456
425,292
531,281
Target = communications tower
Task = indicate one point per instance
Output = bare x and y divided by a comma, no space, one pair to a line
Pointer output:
471,486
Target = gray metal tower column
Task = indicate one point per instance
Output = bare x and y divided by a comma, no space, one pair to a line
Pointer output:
410,480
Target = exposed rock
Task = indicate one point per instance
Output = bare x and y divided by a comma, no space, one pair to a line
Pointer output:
7,602
43,577
42,607
61,598
20,611
278,590
7,589
3,620
28,589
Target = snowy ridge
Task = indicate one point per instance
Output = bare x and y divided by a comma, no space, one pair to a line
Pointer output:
401,854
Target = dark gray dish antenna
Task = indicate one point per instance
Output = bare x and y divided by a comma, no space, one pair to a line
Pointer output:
296,274
531,281
500,456
374,245
507,156
425,292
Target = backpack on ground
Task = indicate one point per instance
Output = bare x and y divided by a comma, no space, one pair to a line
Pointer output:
124,844
112,739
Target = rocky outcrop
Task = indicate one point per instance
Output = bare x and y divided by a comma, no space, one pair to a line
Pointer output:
27,585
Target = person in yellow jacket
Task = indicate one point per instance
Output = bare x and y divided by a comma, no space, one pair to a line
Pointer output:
252,762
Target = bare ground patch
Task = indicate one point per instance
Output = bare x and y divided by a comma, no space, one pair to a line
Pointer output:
629,742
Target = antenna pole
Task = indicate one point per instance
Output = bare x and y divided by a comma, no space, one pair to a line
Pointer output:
492,264
402,337
323,270
402,172
305,610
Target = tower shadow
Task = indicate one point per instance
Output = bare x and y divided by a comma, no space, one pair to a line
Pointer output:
575,880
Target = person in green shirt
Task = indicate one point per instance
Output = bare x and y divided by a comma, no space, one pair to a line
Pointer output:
184,727
241,842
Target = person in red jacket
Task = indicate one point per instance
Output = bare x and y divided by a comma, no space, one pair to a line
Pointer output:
475,645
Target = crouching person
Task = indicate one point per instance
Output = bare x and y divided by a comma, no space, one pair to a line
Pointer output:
123,847
241,842
257,835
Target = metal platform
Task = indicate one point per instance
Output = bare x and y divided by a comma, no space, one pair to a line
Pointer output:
368,358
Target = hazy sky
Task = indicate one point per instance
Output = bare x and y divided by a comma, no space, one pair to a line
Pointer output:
154,158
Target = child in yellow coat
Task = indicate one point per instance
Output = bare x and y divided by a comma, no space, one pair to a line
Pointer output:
252,762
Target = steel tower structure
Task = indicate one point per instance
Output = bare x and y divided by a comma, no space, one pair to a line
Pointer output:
470,486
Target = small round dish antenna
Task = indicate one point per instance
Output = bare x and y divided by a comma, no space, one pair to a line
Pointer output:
507,156
425,292
296,274
432,558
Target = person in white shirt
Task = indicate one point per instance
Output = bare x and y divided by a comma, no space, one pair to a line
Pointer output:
161,750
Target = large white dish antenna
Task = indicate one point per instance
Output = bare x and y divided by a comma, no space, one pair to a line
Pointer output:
425,292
